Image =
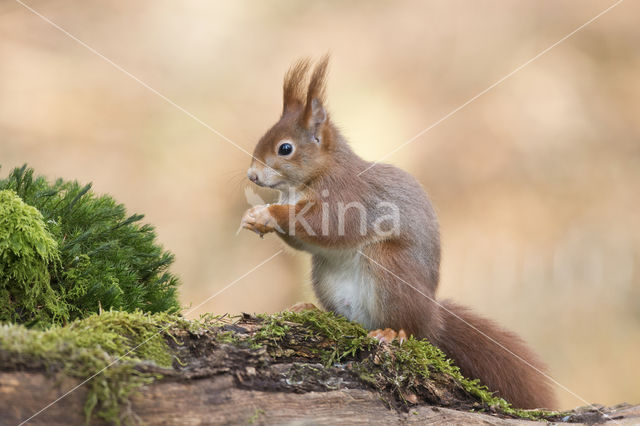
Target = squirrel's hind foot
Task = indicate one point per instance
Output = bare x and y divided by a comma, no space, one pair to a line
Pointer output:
388,335
302,306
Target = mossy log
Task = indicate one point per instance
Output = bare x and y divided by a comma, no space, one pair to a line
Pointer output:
278,369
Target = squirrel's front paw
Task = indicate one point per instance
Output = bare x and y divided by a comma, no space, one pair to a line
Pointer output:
259,220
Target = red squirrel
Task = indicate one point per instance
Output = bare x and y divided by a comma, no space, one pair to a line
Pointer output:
375,244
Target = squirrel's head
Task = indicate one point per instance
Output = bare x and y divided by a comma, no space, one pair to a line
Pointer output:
297,147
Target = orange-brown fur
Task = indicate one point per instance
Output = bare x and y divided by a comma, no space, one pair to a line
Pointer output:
380,281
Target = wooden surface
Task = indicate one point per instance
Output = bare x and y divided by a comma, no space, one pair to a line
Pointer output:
219,400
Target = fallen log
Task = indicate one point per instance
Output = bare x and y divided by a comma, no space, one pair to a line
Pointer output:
308,368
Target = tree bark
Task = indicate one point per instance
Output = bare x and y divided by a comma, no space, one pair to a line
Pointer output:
220,400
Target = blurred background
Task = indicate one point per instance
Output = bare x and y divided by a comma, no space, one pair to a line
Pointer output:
535,182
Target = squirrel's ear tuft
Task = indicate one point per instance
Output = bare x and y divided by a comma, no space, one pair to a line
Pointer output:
314,111
294,85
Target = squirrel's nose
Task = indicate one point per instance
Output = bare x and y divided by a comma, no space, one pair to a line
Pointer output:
253,176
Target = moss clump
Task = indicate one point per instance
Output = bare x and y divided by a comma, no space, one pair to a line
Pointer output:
105,348
418,353
86,252
27,253
415,358
342,338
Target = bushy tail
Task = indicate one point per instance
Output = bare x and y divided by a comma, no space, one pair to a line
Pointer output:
505,368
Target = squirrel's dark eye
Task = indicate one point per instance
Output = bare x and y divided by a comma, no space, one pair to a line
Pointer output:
285,149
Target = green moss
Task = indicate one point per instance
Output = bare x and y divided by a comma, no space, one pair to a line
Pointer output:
226,337
81,251
28,252
256,416
108,346
415,357
342,337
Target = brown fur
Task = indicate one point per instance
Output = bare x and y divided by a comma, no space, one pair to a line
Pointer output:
294,86
393,278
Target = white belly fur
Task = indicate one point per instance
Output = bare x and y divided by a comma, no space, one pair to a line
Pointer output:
343,280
